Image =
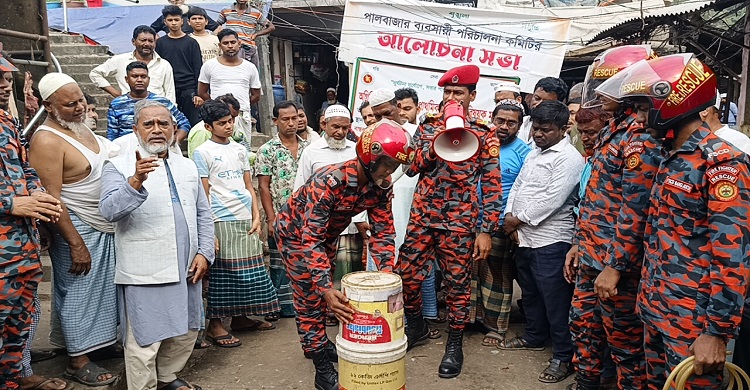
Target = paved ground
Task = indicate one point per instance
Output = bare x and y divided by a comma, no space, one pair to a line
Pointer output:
273,360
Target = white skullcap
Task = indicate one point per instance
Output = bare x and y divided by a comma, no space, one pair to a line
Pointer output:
330,90
380,96
508,87
723,95
337,110
51,82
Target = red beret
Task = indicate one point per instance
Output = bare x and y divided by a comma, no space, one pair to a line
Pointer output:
463,75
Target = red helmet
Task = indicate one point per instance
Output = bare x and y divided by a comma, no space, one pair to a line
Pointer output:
677,86
386,139
607,64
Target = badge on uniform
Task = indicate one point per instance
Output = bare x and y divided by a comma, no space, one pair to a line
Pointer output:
723,179
494,151
633,154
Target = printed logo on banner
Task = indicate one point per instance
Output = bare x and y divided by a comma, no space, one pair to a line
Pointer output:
367,78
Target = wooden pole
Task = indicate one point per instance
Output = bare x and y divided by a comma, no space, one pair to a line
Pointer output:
265,106
743,108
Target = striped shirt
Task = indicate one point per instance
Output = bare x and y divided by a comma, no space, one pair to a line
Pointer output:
122,109
245,24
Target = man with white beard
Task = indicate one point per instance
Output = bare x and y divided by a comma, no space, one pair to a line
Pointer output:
335,148
69,157
159,282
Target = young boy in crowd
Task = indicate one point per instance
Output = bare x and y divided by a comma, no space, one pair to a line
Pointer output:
239,285
209,43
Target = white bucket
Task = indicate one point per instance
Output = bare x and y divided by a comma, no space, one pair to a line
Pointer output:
362,367
379,305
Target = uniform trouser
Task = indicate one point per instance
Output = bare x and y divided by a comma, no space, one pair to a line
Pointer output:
664,351
452,250
596,324
36,315
186,106
308,302
546,297
16,307
158,362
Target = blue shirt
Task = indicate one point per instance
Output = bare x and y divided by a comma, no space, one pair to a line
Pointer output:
585,176
122,109
512,156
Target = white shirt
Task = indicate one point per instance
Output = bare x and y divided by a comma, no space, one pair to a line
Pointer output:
318,155
542,196
224,165
237,80
524,132
159,71
734,137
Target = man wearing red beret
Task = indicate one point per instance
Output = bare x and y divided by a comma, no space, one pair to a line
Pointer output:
444,223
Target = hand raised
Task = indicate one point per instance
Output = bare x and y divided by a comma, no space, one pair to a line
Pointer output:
144,166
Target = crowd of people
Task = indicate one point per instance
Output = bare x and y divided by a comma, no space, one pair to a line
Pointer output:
619,206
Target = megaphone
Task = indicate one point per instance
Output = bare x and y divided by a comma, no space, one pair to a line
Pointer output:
456,143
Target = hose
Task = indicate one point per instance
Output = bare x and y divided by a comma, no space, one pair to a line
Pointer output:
684,370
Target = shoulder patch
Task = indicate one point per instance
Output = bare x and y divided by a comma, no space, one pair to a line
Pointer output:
335,179
633,147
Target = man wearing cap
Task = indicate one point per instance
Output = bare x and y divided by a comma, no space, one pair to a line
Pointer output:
69,157
711,116
330,98
22,201
444,223
384,105
334,148
507,91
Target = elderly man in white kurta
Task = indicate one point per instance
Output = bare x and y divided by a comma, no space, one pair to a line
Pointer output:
164,243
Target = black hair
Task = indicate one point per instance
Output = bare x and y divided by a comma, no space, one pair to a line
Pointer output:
135,65
551,112
171,10
320,113
213,110
299,106
282,105
197,11
229,100
223,33
364,105
553,85
574,101
143,29
89,99
508,107
405,93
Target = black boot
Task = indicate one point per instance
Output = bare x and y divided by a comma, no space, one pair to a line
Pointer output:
330,349
416,330
453,359
584,383
326,377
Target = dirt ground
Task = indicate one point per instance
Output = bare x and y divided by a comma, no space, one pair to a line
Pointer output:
273,360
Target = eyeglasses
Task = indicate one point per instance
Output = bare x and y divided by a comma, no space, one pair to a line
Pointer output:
501,122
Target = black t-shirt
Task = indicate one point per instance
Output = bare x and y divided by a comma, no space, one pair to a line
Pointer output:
184,54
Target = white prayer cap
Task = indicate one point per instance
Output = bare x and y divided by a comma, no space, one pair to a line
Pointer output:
380,96
723,95
337,110
51,82
331,90
509,87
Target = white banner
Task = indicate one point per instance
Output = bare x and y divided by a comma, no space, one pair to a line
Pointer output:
417,33
371,75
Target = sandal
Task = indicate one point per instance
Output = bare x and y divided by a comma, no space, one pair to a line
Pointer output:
492,339
45,384
88,375
555,372
517,344
434,334
201,344
259,326
40,355
177,383
272,317
114,351
217,341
